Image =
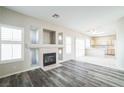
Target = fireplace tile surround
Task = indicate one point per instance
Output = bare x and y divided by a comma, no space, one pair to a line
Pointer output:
48,51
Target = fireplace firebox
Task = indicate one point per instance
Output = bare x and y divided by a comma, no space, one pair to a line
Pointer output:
49,58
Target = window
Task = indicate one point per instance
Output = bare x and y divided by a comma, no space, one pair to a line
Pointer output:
34,56
10,34
80,47
87,42
11,43
60,54
60,38
68,45
34,36
10,51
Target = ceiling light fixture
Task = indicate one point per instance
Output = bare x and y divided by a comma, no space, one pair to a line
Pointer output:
94,32
55,15
98,33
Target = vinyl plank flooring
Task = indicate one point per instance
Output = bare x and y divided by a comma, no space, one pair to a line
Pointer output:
97,74
101,74
71,74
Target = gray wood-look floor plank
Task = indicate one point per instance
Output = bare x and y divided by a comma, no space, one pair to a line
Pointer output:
118,80
95,75
71,74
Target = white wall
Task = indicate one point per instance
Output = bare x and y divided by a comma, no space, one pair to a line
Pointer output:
13,18
120,42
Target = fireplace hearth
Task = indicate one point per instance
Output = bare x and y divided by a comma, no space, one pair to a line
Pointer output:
49,58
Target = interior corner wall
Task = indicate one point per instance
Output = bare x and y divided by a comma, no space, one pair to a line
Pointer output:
10,17
120,43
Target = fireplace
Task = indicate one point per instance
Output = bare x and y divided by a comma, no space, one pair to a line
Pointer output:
49,58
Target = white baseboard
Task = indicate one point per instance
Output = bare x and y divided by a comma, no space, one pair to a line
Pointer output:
19,72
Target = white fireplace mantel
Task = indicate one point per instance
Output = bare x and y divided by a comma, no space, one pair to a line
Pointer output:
44,46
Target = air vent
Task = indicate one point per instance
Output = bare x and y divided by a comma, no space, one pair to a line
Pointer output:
55,16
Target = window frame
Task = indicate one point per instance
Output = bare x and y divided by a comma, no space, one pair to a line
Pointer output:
87,43
12,42
68,45
80,48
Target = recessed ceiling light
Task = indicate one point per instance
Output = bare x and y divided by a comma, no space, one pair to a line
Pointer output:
55,15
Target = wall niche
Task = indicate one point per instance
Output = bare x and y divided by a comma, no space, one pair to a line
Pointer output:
49,36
